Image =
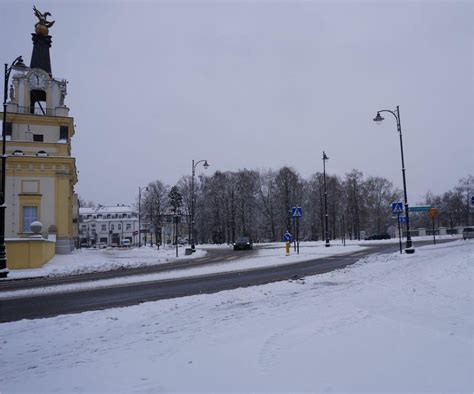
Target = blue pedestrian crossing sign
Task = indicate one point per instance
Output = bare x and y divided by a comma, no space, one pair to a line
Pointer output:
472,201
287,237
402,219
296,212
397,207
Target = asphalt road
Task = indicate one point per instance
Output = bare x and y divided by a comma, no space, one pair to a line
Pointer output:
48,305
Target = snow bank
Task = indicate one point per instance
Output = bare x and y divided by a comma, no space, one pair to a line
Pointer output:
83,261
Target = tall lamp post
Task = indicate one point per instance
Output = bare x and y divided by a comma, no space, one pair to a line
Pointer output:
194,165
139,214
378,119
18,65
326,200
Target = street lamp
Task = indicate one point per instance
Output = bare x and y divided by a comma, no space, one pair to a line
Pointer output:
17,65
194,165
326,200
378,119
139,214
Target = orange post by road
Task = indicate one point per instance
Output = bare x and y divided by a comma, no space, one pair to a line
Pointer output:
287,247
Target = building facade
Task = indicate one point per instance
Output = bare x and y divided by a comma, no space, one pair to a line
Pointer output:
108,226
40,172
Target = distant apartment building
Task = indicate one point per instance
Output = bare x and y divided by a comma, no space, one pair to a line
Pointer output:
108,225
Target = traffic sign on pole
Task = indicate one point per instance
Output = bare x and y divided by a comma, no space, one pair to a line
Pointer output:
472,201
420,208
433,212
296,212
397,207
402,219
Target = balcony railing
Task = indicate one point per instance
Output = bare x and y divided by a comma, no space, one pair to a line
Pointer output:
37,111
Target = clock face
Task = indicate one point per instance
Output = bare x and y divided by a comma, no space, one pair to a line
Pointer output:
38,79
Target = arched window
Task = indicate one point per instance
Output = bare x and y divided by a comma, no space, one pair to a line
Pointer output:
38,102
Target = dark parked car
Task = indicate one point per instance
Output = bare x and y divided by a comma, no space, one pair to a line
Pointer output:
468,232
243,243
378,236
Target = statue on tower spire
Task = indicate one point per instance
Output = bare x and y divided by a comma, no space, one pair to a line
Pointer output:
41,42
43,24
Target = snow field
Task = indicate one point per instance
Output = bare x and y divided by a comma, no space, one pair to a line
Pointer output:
399,323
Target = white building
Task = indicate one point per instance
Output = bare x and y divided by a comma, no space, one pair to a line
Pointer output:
108,225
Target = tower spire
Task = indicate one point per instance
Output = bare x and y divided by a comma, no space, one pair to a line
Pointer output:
41,42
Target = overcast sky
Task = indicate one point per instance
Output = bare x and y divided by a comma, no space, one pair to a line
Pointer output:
259,84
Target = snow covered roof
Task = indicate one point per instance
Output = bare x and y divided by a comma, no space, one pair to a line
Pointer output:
101,209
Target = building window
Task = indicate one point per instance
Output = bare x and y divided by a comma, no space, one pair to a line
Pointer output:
84,226
8,128
112,227
120,226
129,226
104,227
93,225
63,133
38,137
30,214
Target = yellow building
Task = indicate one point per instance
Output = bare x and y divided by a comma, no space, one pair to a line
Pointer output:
41,173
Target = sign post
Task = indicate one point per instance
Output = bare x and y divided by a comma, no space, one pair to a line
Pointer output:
399,233
287,239
343,225
296,213
432,213
397,207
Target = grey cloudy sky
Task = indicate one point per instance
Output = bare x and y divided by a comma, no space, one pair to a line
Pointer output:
259,84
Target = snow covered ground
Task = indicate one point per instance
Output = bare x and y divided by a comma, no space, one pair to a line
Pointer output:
399,323
269,256
83,261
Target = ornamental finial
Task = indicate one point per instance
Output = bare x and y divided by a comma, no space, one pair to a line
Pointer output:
43,25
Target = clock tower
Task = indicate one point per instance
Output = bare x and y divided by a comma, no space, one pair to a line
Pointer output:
41,172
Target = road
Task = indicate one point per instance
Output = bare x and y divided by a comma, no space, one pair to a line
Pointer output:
48,305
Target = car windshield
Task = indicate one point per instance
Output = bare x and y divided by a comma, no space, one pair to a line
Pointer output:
243,240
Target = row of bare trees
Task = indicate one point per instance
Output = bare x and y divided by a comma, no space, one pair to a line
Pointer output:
258,204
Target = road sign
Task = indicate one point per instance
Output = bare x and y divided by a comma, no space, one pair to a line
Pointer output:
420,208
287,237
472,201
397,207
296,212
402,219
432,212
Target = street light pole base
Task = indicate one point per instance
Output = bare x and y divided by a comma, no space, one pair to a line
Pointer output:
4,272
410,250
327,245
